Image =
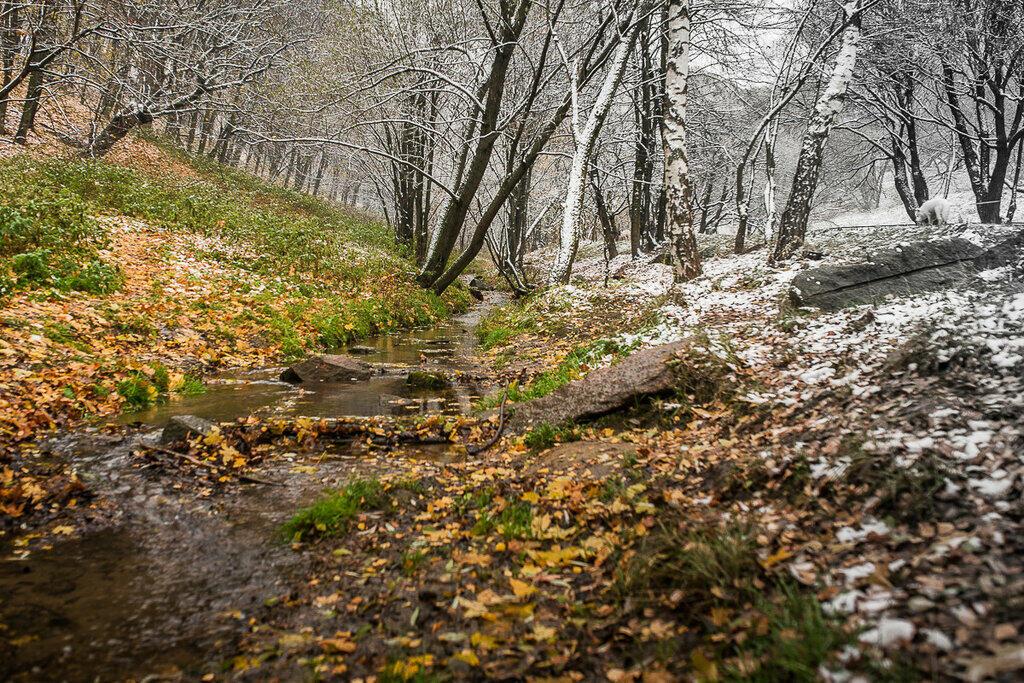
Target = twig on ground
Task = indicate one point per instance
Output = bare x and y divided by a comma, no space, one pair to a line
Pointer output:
476,450
212,465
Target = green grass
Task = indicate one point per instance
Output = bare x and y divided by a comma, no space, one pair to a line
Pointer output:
544,436
342,270
505,323
413,561
716,571
332,514
142,390
573,367
798,638
515,521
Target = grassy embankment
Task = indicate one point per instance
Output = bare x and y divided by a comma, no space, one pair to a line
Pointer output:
117,285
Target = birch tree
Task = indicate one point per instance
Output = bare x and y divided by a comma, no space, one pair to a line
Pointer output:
678,190
793,223
586,138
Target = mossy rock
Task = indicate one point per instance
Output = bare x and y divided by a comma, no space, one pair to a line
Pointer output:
426,379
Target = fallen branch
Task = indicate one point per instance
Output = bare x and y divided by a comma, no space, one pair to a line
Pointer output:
212,465
476,450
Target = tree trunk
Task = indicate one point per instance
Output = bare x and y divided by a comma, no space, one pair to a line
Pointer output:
679,191
587,139
611,250
446,234
31,106
114,131
793,224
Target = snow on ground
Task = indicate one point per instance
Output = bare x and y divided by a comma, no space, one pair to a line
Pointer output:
964,349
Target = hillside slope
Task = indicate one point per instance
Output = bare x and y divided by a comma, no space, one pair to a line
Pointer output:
120,287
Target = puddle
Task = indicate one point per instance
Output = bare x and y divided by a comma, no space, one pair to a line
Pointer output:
160,593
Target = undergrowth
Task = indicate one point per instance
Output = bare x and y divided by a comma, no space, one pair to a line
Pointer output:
332,514
575,365
713,580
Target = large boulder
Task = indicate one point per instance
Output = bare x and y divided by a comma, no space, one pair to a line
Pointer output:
645,373
327,368
909,268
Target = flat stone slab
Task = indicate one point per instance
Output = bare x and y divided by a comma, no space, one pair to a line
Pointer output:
181,427
645,373
328,368
906,269
361,350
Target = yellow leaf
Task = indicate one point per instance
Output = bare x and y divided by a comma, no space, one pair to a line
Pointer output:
521,589
175,381
469,657
544,633
482,642
214,438
338,645
559,488
531,497
773,560
707,670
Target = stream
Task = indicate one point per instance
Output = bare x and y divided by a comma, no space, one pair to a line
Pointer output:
163,588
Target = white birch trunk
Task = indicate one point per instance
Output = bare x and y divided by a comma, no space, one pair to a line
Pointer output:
571,230
793,224
770,185
678,189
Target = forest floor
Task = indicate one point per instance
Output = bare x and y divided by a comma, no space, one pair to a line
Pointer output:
824,496
837,498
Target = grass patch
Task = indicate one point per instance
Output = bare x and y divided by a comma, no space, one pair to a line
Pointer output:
906,491
712,580
573,367
332,514
545,435
154,384
49,237
413,561
505,323
516,521
313,251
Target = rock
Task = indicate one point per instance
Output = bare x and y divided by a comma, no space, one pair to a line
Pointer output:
908,268
327,368
361,350
182,427
80,444
477,283
476,294
1008,252
645,373
425,379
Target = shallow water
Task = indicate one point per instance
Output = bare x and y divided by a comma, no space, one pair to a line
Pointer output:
233,394
164,587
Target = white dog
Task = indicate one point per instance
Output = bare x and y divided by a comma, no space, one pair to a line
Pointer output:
934,212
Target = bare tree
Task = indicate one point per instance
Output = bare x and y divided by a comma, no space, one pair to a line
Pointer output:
793,223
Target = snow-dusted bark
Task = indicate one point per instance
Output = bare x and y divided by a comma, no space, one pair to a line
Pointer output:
571,230
770,184
793,224
678,189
